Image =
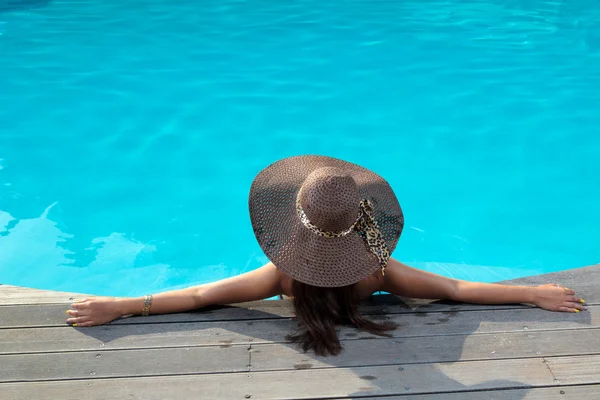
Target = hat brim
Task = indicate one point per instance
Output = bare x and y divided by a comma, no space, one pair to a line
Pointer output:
300,253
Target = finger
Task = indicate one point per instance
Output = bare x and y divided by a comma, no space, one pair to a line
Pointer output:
575,299
569,291
78,320
79,305
84,324
567,309
78,313
73,313
572,304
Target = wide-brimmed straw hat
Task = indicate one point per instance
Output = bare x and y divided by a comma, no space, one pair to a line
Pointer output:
324,221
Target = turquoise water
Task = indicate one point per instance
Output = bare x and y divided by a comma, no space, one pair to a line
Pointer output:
130,131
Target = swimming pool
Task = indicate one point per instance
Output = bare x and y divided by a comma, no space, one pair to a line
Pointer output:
121,121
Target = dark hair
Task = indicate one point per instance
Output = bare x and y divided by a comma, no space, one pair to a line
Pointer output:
319,309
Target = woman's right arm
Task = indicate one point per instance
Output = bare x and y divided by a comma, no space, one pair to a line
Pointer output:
259,284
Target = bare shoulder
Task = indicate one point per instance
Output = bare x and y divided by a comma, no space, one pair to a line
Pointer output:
369,285
285,282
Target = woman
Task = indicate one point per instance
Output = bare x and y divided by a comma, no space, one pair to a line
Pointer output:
328,227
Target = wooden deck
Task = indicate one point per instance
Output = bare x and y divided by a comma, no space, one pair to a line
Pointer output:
441,351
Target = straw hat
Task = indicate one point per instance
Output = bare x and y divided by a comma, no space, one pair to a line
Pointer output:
324,221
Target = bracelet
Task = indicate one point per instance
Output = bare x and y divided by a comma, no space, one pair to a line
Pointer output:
147,305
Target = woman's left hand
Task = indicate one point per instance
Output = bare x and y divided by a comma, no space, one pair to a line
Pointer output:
554,297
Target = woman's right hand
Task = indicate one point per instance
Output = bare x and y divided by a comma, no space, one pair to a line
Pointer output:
94,311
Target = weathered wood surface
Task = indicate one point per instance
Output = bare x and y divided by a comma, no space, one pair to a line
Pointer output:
253,357
440,351
135,336
48,315
324,383
434,349
19,295
590,392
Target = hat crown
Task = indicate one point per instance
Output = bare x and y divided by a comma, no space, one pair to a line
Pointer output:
330,199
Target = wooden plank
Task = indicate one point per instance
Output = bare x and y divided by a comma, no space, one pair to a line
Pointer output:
576,369
124,363
268,331
227,358
563,393
324,383
432,349
15,341
21,295
580,279
48,315
54,315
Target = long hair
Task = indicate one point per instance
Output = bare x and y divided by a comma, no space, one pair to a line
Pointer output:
319,309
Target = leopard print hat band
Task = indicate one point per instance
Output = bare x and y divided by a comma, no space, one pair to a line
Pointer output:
365,226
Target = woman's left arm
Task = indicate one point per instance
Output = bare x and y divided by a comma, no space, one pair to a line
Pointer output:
403,280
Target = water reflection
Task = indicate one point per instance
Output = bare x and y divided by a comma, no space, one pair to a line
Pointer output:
34,253
17,5
30,245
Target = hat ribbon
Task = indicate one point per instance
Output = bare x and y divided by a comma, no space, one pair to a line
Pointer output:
365,225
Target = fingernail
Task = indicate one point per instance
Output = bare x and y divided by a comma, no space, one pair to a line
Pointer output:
76,324
582,301
576,310
68,312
